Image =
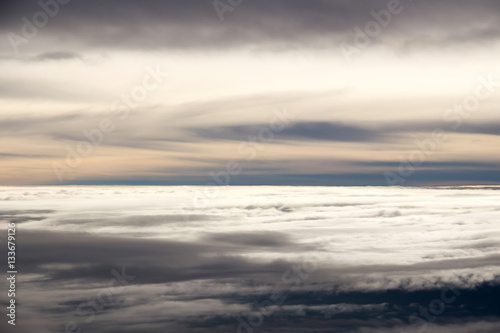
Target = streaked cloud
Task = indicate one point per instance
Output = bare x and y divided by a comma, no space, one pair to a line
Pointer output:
351,121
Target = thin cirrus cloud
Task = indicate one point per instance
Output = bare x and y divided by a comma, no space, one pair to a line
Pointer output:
175,142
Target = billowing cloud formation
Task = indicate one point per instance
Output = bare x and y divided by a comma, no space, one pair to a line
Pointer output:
303,258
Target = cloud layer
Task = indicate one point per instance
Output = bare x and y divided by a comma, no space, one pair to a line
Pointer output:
323,259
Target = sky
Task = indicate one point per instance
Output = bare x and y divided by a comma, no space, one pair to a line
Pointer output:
106,259
249,92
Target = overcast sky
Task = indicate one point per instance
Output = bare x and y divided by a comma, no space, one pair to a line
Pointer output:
294,92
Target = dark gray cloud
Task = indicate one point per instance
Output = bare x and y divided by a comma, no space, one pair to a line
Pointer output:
327,131
258,239
341,132
155,24
21,216
58,55
84,251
